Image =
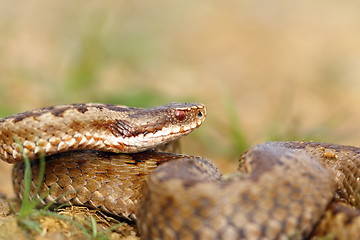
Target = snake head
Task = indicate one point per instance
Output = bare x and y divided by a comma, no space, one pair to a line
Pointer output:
148,128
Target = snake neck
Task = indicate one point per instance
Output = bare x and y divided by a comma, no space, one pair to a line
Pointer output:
91,126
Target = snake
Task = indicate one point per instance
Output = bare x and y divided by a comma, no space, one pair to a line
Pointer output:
106,157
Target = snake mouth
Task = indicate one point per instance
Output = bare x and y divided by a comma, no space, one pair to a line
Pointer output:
173,130
146,140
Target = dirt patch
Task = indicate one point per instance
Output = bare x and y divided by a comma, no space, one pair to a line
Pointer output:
66,224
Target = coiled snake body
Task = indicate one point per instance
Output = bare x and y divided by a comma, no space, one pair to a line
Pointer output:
283,190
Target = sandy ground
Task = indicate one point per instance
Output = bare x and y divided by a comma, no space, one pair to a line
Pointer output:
266,71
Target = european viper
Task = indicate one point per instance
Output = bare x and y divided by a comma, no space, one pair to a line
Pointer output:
96,152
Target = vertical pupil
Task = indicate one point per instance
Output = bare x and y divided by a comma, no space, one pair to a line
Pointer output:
180,115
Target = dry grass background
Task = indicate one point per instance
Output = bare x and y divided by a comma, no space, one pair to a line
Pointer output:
267,70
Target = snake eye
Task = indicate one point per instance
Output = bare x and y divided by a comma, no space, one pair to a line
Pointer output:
180,115
199,114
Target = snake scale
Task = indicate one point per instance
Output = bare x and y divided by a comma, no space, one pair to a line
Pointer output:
101,156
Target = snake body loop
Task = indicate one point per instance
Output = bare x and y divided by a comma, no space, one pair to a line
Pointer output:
283,190
110,182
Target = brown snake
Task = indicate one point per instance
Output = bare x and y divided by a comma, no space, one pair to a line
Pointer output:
283,190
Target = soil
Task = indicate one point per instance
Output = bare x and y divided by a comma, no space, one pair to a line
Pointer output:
68,223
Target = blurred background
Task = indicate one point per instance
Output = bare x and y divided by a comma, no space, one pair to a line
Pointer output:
267,70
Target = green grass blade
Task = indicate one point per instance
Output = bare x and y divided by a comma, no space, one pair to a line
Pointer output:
93,227
41,174
26,206
239,139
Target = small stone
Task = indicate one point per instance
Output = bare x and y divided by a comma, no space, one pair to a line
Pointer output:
4,207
